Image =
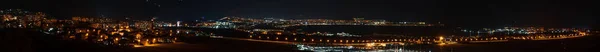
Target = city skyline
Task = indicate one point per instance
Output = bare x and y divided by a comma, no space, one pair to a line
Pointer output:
493,13
298,26
317,35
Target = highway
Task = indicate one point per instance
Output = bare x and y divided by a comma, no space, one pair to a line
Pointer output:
293,40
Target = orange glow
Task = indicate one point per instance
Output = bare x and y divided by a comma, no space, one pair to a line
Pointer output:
303,39
264,32
116,39
278,33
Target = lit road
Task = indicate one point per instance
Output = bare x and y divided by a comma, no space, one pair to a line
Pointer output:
293,40
289,42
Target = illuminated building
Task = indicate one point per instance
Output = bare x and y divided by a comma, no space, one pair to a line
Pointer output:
178,23
358,19
145,25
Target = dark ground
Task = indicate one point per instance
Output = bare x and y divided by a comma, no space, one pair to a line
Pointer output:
22,40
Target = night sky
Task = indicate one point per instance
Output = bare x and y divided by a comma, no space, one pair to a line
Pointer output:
482,13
